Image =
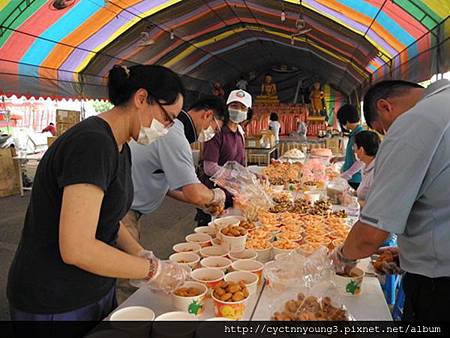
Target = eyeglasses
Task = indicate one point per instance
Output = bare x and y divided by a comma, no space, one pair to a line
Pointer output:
167,116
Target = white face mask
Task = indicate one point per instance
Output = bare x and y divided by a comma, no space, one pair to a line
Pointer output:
152,133
236,115
206,134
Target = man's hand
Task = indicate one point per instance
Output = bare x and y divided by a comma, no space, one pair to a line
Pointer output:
217,205
341,264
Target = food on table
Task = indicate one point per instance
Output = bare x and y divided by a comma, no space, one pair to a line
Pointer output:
386,257
324,152
280,173
301,206
247,225
260,234
339,214
234,231
285,244
281,207
258,244
294,153
188,292
216,209
281,198
289,235
310,308
231,291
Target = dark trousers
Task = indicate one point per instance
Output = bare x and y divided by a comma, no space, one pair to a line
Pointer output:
426,298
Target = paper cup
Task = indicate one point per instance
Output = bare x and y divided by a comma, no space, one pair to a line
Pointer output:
214,251
277,251
220,263
187,247
249,266
234,243
250,279
217,242
220,223
264,255
230,310
281,256
209,277
161,329
311,196
193,305
185,258
133,313
175,316
206,230
203,240
244,254
350,286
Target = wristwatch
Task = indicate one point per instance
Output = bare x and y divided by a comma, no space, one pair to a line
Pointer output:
345,260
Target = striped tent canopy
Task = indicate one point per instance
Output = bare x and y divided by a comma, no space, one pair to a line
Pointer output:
64,48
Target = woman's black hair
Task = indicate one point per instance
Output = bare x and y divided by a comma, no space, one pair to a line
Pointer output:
162,84
273,116
369,141
347,113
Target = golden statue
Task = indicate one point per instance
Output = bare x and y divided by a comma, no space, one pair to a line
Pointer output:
316,97
268,88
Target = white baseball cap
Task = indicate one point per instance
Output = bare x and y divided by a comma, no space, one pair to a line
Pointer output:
241,96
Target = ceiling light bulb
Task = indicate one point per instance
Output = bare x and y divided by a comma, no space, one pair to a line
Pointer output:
283,16
172,36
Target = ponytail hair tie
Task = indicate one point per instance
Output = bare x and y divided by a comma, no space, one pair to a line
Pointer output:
127,70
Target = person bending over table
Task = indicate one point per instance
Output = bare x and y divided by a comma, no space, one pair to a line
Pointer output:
73,244
409,195
227,145
166,167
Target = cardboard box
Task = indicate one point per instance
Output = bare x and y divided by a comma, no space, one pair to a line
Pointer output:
51,139
67,116
62,127
9,173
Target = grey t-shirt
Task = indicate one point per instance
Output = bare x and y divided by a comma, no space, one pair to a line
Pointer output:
410,195
164,165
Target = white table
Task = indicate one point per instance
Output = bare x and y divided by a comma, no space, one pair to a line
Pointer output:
369,305
161,303
22,159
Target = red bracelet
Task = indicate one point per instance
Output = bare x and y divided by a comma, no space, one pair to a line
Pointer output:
152,268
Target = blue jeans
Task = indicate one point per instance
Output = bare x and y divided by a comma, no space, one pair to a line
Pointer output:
93,312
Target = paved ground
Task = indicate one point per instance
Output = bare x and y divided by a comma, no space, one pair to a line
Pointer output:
167,226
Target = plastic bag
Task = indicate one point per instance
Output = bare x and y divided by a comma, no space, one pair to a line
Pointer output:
336,189
303,288
244,185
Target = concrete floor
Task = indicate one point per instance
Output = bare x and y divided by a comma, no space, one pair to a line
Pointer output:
161,230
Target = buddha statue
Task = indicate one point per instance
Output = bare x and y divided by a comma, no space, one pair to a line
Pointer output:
316,97
268,88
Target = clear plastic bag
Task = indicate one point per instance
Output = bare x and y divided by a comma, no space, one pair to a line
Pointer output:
303,288
336,190
245,186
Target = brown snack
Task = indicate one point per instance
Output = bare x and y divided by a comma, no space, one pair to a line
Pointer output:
234,231
311,309
216,209
231,291
188,292
247,225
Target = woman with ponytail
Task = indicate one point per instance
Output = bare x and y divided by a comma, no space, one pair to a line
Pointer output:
73,245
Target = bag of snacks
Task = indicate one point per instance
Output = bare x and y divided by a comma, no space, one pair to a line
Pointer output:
243,184
303,288
336,190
